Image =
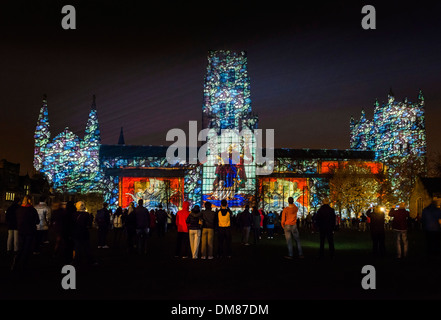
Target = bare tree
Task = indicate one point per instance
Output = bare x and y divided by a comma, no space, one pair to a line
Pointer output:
353,187
402,172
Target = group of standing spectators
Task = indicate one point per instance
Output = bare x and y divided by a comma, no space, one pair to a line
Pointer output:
28,227
430,219
196,230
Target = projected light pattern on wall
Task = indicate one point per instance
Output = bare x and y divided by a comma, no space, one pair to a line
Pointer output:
227,97
230,170
276,191
71,164
396,130
153,191
41,136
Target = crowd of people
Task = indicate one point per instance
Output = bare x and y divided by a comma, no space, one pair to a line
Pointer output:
197,230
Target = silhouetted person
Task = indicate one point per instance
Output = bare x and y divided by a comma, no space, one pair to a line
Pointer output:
82,222
102,220
256,224
161,221
430,219
57,224
245,221
208,226
68,230
325,220
130,227
152,226
118,226
142,226
27,220
376,215
400,226
11,222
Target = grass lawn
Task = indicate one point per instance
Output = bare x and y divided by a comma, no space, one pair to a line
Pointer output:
255,272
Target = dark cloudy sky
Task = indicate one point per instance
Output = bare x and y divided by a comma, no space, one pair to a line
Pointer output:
311,66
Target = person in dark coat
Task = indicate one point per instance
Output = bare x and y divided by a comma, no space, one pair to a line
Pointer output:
245,220
161,221
142,217
376,215
57,224
430,219
27,220
208,226
102,220
152,226
68,229
256,224
130,227
11,222
82,222
325,220
194,224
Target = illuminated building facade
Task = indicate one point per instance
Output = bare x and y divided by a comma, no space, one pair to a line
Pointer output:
396,130
70,164
126,173
397,135
230,169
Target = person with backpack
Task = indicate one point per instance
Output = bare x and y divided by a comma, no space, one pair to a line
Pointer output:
224,229
118,226
270,224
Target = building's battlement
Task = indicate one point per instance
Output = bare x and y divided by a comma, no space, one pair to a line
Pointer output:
397,129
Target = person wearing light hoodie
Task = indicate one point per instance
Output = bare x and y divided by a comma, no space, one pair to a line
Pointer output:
182,241
44,213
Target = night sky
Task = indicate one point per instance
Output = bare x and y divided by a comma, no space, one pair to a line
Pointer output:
311,66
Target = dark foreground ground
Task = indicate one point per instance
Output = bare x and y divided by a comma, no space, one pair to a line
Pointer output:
254,273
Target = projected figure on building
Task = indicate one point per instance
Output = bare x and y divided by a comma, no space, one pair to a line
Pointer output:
230,172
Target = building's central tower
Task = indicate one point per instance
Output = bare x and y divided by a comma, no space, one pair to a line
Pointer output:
227,101
229,171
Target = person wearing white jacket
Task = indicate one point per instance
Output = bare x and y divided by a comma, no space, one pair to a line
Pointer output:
44,213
